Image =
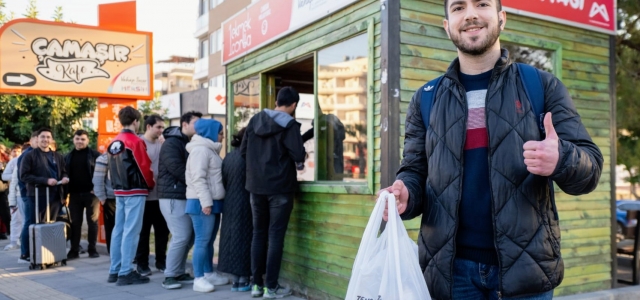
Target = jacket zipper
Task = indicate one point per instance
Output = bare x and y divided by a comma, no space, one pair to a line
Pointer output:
493,206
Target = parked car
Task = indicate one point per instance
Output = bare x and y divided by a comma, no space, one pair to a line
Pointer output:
623,223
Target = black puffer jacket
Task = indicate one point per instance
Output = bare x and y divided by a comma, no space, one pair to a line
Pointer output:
525,220
271,147
173,163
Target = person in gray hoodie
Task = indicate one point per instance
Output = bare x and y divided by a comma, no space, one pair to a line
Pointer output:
205,192
272,148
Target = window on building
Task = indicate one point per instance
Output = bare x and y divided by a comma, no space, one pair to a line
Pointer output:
203,7
218,81
215,3
204,48
219,39
539,58
341,119
214,43
246,100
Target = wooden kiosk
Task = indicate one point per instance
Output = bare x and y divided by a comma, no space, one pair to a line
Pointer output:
357,65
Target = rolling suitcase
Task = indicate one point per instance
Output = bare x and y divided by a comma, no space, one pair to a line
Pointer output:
46,241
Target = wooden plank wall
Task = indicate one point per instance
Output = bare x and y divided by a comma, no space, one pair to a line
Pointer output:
325,228
585,221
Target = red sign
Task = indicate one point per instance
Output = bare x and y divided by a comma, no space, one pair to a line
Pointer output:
598,15
267,20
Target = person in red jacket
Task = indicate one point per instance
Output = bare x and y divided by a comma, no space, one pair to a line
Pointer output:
131,179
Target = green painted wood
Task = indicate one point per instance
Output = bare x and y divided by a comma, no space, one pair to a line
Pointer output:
564,289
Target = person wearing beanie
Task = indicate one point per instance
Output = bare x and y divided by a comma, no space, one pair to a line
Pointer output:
205,192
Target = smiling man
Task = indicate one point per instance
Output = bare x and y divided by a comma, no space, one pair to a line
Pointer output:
480,172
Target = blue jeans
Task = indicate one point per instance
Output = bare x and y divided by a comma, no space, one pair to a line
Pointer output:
205,229
472,280
126,233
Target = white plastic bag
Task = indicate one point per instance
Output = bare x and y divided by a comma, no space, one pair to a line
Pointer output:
387,267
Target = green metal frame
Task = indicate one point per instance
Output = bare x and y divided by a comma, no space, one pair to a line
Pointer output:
331,187
555,47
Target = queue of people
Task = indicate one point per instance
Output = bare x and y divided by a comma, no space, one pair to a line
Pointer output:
175,181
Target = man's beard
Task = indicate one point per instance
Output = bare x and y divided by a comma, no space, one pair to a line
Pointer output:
490,40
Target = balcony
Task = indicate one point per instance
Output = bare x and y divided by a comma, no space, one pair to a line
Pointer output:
201,68
202,25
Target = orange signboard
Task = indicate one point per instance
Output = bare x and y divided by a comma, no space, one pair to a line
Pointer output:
108,114
54,58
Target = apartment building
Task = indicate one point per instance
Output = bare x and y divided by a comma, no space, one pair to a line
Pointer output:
209,71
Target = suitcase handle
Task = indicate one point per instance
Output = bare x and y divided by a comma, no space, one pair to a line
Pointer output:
38,209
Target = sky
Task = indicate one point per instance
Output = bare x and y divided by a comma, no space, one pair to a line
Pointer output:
172,22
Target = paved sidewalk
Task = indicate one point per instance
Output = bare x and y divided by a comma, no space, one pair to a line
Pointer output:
86,278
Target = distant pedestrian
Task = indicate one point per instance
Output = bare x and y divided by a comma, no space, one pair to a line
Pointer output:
237,224
10,175
104,192
43,168
172,190
131,179
154,125
80,164
204,194
5,213
272,147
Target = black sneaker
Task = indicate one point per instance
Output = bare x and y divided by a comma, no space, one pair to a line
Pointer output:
143,270
24,259
112,278
132,278
3,236
185,278
94,254
72,255
161,267
81,250
170,283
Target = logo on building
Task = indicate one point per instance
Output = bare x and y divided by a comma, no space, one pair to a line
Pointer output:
599,9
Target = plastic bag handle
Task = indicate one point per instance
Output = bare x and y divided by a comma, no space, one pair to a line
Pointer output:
394,241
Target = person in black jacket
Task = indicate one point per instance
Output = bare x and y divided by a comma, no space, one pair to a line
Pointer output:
80,163
172,190
237,227
272,148
480,172
45,169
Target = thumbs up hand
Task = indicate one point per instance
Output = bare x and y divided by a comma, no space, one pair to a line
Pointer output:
541,157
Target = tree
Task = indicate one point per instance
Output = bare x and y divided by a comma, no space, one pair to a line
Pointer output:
57,14
20,114
32,10
628,89
151,107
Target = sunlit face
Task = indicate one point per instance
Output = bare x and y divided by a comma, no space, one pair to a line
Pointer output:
156,129
474,25
44,140
189,129
80,141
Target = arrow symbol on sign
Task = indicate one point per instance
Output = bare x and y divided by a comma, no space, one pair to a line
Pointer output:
22,80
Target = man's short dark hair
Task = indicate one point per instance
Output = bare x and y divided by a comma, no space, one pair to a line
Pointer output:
287,96
128,115
446,8
152,120
44,129
16,146
81,132
34,134
187,117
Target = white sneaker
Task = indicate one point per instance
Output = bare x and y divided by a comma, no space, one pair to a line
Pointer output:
10,247
216,279
202,285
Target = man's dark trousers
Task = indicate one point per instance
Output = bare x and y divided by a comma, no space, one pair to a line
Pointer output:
78,202
270,220
153,217
109,217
